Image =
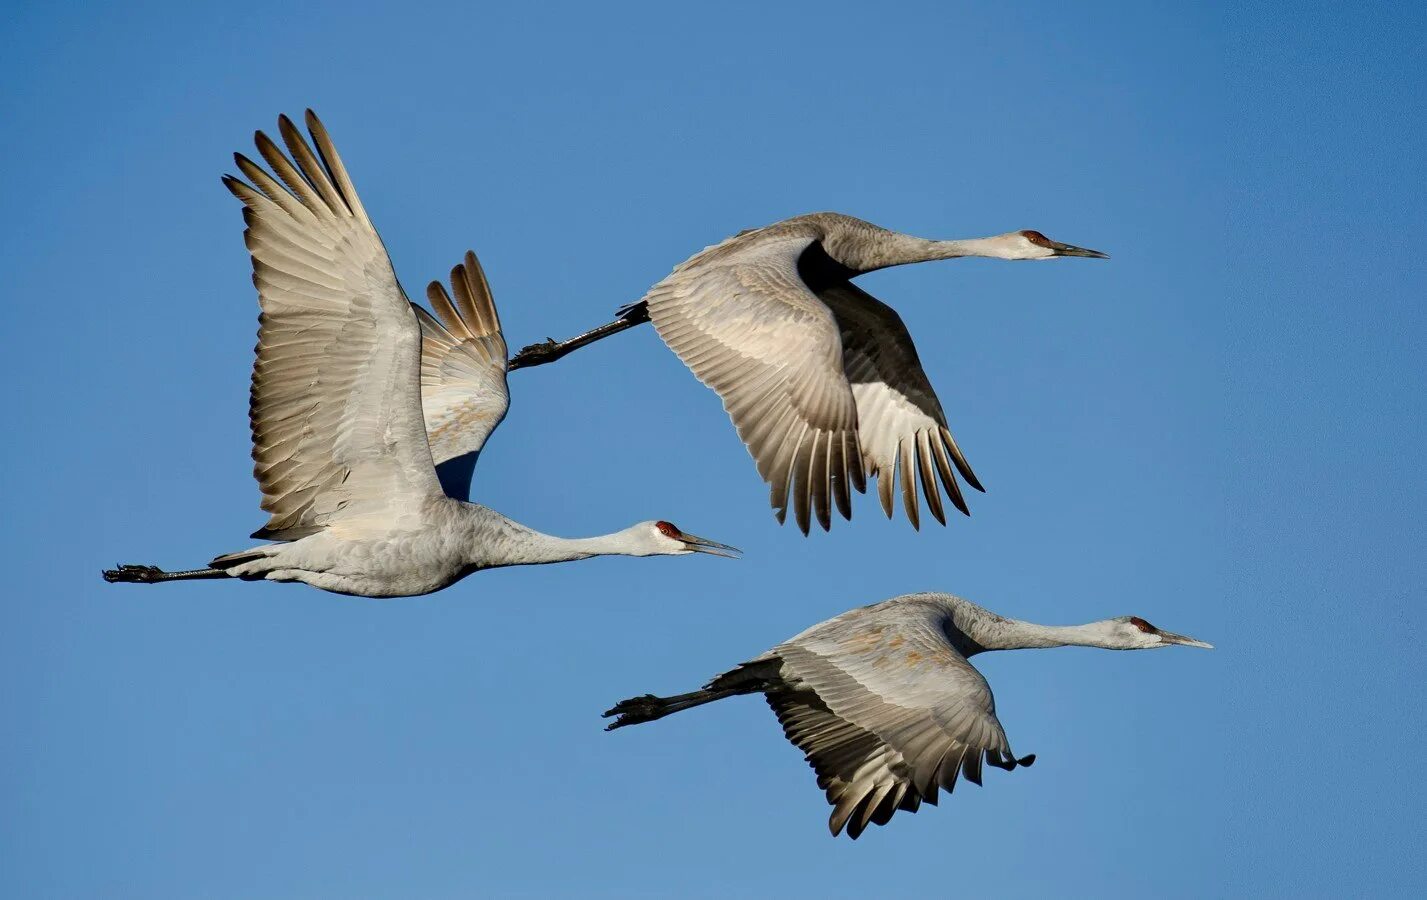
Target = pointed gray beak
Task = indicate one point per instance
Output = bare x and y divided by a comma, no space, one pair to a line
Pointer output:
1170,637
704,545
1072,250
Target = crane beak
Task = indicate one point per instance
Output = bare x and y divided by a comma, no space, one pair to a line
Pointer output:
1170,637
697,544
1072,250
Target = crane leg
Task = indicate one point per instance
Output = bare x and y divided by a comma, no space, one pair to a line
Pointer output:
153,574
550,350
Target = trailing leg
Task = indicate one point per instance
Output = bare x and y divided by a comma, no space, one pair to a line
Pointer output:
130,574
649,707
550,350
747,678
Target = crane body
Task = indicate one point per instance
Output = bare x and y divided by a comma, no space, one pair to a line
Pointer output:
884,702
821,379
358,395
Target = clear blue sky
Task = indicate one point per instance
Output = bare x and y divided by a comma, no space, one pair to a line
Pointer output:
1220,430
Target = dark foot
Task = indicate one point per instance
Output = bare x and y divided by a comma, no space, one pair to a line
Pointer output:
633,711
547,351
134,574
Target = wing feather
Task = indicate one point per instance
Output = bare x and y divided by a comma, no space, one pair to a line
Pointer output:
747,326
464,395
335,401
901,424
886,711
771,339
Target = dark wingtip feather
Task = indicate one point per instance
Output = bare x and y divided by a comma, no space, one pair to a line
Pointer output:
292,137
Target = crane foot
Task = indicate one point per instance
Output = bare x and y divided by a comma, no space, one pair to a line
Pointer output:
547,351
134,574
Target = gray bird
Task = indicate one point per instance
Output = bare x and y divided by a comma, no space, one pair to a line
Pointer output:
884,703
345,392
820,378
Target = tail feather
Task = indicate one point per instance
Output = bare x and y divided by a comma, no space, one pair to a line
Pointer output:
634,312
229,560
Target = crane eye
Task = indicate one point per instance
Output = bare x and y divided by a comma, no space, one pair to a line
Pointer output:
1141,624
667,529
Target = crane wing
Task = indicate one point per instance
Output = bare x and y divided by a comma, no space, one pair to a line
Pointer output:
463,366
899,417
336,392
743,320
886,711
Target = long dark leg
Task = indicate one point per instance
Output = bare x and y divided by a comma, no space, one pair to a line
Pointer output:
550,350
747,678
153,574
649,707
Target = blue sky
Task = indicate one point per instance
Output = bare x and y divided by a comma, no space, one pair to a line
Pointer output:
1218,430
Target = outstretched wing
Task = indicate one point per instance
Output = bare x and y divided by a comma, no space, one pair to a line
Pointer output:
463,365
886,711
899,417
743,320
336,392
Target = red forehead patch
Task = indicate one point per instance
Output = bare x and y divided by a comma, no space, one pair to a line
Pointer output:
1035,237
1141,624
667,529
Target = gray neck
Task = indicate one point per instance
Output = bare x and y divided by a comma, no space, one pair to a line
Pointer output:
502,542
984,630
881,249
550,549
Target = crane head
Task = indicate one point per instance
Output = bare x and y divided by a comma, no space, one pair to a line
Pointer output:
667,539
1029,244
1134,633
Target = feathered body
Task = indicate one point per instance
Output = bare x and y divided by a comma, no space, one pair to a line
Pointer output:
884,702
821,379
402,556
358,396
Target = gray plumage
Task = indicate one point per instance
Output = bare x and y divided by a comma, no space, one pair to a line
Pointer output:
344,388
884,703
821,379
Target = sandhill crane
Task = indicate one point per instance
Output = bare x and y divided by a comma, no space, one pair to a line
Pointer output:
884,703
820,378
340,386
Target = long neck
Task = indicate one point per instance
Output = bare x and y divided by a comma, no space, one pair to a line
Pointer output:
984,630
1013,634
539,548
499,541
883,249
